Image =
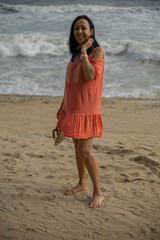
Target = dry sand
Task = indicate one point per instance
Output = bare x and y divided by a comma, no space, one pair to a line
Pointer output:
34,174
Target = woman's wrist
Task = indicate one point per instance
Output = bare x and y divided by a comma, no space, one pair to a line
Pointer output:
83,56
83,50
83,53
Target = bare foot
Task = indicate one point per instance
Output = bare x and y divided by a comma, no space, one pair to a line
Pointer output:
76,189
97,201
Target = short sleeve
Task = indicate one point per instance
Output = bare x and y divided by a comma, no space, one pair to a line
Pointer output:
98,66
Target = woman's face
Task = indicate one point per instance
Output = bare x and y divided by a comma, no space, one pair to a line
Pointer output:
82,31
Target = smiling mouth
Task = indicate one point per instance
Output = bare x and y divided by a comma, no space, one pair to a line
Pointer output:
80,36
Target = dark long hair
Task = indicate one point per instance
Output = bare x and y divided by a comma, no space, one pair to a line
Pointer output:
74,46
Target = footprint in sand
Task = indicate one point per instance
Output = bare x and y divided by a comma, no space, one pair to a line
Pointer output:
13,155
153,166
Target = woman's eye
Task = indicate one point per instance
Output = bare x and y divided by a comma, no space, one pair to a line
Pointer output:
83,28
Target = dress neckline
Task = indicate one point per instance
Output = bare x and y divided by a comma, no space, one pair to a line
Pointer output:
89,54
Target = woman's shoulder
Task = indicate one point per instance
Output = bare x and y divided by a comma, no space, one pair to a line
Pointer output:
97,53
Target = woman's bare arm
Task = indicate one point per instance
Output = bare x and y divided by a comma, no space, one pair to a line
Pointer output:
98,54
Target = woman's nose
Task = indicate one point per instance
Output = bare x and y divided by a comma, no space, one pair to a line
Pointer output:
79,30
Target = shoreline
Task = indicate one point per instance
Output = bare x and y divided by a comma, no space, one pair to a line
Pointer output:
31,97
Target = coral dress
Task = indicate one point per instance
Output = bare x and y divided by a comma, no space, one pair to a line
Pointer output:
80,117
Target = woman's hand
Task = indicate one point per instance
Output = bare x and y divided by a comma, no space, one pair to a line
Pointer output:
58,113
86,45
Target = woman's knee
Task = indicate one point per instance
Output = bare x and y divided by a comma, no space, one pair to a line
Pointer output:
85,153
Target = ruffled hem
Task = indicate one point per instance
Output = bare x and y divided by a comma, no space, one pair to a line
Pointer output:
80,126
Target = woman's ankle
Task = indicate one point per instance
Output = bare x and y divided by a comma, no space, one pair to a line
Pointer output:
82,183
97,192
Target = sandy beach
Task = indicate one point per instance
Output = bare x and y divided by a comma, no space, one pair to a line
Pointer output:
34,174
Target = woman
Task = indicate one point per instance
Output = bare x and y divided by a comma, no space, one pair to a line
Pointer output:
79,116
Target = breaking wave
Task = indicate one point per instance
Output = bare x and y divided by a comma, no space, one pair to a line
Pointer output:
30,45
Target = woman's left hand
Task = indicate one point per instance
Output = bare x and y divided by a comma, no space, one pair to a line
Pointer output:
86,45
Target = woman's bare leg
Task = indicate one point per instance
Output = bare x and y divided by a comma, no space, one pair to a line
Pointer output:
85,151
82,185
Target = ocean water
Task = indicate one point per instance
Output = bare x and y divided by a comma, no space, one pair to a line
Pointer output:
34,45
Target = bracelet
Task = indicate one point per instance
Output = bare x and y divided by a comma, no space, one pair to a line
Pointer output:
83,55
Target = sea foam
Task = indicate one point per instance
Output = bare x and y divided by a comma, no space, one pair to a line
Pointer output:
6,8
30,45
